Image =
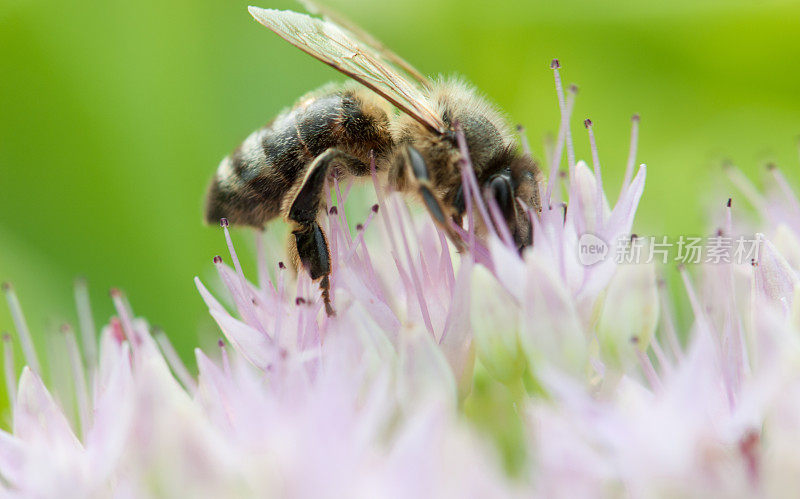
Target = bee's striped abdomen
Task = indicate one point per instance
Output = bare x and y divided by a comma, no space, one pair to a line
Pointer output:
251,183
245,188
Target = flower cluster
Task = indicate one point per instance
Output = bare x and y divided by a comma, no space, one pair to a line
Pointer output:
394,396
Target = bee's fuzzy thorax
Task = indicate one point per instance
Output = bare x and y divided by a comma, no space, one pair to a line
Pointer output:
453,95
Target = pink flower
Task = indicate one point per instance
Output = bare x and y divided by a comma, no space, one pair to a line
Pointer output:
578,347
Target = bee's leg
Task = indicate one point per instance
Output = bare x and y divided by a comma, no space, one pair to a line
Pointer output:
416,176
312,250
346,164
309,239
307,196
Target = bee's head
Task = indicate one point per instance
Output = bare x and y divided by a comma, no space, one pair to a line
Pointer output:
517,181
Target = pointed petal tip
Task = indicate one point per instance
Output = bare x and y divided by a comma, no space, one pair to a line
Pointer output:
257,12
200,356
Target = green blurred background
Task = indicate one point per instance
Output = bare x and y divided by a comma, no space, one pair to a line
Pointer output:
114,115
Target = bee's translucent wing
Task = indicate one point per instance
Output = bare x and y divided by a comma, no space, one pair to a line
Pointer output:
335,47
358,33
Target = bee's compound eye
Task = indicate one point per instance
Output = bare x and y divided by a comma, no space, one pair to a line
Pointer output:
501,190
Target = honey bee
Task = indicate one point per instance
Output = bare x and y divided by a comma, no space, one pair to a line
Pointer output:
391,113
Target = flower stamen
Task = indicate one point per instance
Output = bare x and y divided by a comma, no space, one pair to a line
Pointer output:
626,182
9,369
174,361
23,332
78,378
